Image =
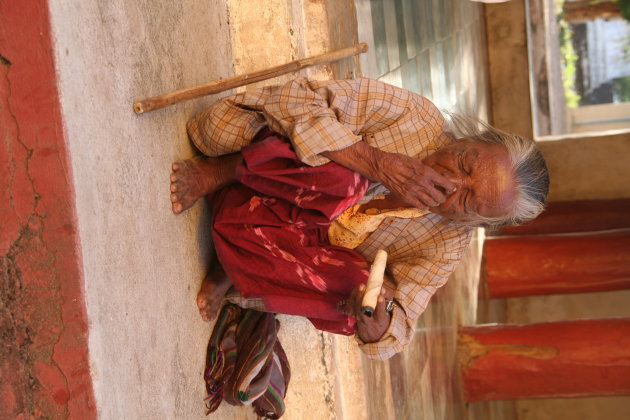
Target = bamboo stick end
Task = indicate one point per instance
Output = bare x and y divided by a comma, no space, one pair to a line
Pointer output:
138,108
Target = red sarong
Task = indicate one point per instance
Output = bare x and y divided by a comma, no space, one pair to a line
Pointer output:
270,233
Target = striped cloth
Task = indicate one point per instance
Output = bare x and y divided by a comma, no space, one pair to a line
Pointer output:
323,116
245,363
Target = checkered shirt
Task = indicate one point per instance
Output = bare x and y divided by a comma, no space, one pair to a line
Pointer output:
321,116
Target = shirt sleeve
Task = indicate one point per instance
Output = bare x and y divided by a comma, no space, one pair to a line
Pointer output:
229,124
417,279
321,116
304,112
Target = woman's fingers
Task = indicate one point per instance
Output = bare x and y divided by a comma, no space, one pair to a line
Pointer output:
418,195
352,305
401,172
421,199
421,185
371,329
439,180
380,312
358,300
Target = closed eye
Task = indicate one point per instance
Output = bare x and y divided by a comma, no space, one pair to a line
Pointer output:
467,201
462,165
470,202
464,199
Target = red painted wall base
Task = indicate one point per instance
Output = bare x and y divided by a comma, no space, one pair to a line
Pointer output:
44,369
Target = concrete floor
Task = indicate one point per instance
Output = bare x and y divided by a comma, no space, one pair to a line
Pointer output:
143,265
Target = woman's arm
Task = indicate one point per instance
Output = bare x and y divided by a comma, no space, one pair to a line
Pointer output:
324,121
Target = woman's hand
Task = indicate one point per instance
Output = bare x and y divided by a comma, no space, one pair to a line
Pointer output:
408,177
369,329
418,184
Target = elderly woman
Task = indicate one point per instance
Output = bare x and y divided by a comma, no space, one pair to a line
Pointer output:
309,179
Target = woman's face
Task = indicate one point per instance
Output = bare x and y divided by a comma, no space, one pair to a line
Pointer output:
484,179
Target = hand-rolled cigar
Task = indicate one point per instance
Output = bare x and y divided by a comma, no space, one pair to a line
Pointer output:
374,283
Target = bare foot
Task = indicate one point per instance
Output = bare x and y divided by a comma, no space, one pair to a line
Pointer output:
213,290
194,178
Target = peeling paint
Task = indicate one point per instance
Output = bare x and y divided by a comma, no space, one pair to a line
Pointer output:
15,332
470,349
39,275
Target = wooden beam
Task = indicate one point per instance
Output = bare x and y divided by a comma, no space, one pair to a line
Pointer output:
555,264
553,359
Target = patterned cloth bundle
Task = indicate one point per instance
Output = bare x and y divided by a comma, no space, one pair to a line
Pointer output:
246,364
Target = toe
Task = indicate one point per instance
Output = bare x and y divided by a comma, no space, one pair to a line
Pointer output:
174,198
179,187
202,302
177,208
204,315
176,166
210,313
207,312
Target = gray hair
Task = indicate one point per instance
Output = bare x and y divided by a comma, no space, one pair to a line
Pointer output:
529,168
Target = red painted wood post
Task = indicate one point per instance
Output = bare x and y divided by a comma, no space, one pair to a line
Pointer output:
553,264
556,359
575,216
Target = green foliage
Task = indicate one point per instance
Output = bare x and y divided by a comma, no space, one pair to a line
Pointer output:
625,47
624,6
621,89
568,60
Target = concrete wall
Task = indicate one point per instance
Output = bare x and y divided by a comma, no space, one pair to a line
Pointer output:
589,167
582,168
44,365
568,307
608,408
287,30
597,118
508,67
592,167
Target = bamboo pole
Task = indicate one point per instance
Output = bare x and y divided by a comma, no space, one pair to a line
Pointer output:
217,86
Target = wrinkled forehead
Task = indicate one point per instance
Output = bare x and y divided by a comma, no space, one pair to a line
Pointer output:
495,177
